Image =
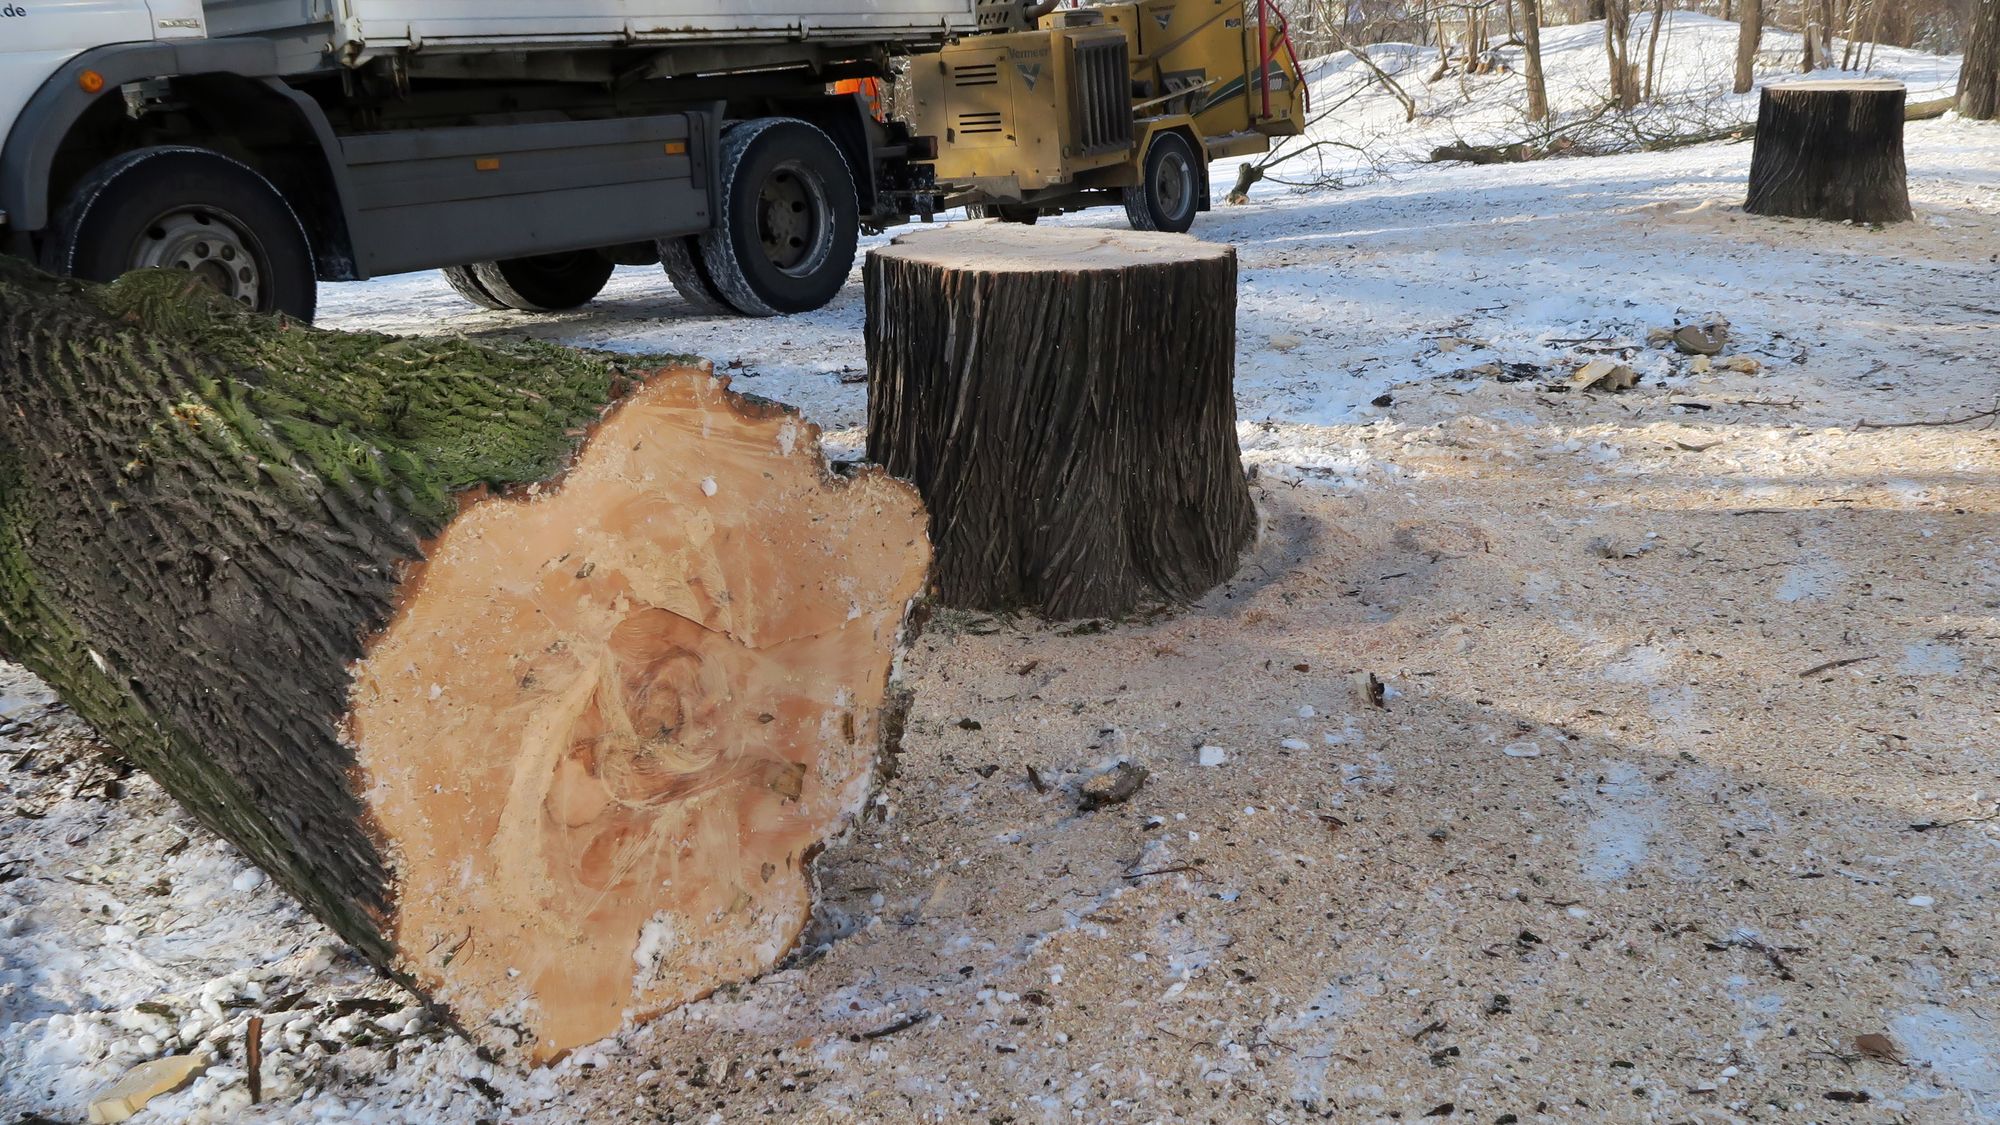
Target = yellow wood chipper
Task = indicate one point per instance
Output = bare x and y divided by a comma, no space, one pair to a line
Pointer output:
1058,109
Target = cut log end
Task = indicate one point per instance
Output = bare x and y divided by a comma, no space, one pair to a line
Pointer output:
992,246
612,719
536,678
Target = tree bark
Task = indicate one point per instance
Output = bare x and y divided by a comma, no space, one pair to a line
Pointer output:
1531,52
518,669
1063,400
1979,79
1653,43
1749,32
1618,51
1831,150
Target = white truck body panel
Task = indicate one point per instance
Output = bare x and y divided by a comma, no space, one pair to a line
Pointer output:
43,35
359,29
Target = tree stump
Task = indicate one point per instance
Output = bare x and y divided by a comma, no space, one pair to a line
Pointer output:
538,680
1831,150
1063,399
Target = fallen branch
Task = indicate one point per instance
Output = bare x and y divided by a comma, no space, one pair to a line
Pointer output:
1831,665
1867,425
1925,111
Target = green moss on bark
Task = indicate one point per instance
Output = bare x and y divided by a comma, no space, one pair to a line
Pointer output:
431,416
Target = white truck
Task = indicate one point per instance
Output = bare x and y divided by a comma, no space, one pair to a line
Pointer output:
524,148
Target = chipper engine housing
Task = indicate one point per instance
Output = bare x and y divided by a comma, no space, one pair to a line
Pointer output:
1067,110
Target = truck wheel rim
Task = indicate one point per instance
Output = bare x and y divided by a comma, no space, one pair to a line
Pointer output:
209,244
1171,184
793,219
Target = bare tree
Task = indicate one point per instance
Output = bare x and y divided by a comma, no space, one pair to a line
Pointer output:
1979,80
1531,65
1653,42
1618,52
1749,31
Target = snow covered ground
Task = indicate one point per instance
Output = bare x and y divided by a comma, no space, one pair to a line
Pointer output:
1347,293
1398,339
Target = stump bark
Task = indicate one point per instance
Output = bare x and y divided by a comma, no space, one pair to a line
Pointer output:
537,679
1063,399
1831,150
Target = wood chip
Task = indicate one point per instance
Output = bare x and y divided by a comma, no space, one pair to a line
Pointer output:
1368,690
127,1096
1878,1046
1603,375
1112,787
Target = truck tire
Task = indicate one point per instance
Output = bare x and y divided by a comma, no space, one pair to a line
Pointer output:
788,219
681,258
1005,212
545,282
174,207
466,284
1169,192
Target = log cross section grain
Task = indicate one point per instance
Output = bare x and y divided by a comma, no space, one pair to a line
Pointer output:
1063,399
538,679
1831,150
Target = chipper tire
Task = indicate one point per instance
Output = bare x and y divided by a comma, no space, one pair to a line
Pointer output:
1169,192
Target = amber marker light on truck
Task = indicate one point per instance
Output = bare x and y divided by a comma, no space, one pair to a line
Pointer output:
486,164
91,81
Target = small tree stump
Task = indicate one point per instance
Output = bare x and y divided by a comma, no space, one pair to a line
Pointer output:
1063,400
1831,150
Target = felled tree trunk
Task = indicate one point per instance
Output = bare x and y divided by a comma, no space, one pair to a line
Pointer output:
538,681
1063,400
1831,150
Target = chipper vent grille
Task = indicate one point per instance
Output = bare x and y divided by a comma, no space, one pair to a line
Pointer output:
1101,101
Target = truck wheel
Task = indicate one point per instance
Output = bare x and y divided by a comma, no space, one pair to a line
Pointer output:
545,282
466,284
1005,212
681,258
1170,191
784,240
188,209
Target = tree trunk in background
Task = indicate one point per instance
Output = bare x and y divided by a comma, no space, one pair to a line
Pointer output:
1595,9
495,657
1653,43
1979,80
1531,40
1831,150
1809,55
1062,397
1618,53
1749,31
